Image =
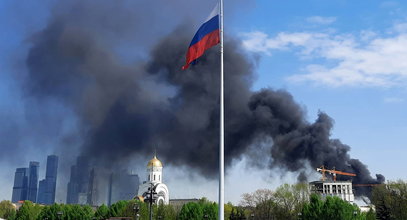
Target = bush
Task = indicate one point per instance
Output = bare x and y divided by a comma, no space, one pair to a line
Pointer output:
7,210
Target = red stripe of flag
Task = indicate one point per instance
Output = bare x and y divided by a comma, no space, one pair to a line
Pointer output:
196,50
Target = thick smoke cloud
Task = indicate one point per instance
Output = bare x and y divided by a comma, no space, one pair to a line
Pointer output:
127,107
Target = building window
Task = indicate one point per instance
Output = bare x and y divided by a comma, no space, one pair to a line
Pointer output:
148,177
154,176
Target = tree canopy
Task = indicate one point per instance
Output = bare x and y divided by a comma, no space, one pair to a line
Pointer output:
7,209
332,208
28,211
390,200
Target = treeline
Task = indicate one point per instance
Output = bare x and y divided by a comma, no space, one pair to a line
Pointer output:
203,209
287,202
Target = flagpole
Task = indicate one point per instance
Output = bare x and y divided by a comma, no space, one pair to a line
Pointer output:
222,127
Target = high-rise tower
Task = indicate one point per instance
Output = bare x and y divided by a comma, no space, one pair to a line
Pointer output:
20,188
26,183
78,182
47,186
122,186
33,181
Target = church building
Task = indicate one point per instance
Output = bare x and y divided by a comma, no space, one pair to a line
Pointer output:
155,180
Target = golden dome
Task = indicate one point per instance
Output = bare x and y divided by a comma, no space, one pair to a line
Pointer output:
154,162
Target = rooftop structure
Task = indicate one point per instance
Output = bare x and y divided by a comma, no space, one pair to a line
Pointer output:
342,189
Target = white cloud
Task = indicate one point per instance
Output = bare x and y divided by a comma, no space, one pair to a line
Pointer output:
389,4
321,20
365,59
393,100
255,42
400,27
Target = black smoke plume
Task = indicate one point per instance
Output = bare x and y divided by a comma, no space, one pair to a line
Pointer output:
130,107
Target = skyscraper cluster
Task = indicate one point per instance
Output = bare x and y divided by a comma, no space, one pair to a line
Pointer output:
87,184
95,186
26,182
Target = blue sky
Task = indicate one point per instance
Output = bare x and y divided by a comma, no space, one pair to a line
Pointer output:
346,58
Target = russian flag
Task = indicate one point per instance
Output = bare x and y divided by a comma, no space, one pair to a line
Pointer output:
206,37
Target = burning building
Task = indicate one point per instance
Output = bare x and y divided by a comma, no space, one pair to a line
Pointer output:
332,187
341,189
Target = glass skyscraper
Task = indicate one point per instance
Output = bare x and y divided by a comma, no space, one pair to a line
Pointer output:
78,184
26,183
20,188
122,186
47,186
33,181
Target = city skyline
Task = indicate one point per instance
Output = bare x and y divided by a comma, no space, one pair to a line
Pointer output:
88,184
28,187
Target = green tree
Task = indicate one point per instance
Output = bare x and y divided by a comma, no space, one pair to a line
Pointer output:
313,209
102,212
289,200
333,208
210,210
370,215
382,200
7,209
164,212
28,211
233,214
87,212
169,212
228,208
191,211
336,208
12,216
51,211
237,213
390,200
264,210
77,212
257,197
159,212
285,203
118,209
144,210
130,209
259,203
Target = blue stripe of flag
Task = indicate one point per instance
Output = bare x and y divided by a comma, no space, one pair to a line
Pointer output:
205,29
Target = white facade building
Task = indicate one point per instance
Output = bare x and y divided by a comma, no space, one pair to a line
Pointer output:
154,179
341,189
